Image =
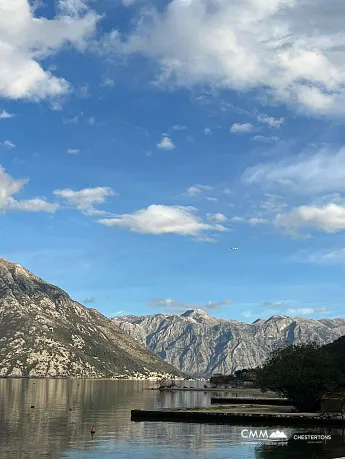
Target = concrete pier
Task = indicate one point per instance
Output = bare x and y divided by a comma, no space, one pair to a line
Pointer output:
235,417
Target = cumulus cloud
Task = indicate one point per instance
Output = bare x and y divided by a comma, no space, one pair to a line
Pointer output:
220,218
4,115
73,151
246,45
86,199
10,186
207,131
166,144
211,199
238,128
160,219
32,205
270,121
330,219
25,40
9,144
322,171
179,306
197,189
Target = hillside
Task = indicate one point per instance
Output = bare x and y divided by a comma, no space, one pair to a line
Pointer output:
200,344
44,333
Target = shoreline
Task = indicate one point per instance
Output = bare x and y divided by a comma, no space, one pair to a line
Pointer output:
73,378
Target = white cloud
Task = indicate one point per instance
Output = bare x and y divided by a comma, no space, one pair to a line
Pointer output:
128,2
246,45
211,199
9,144
197,189
320,257
320,172
270,121
10,186
220,218
73,151
179,127
33,205
237,219
207,131
25,40
238,128
276,304
86,199
330,218
263,139
273,204
252,221
307,311
4,115
108,82
73,120
166,144
92,121
172,305
257,221
160,219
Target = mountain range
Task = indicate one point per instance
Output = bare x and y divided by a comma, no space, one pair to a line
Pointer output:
44,333
200,345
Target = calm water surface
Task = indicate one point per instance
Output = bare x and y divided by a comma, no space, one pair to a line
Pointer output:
51,430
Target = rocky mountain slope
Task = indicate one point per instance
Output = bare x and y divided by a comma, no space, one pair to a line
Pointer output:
44,333
200,345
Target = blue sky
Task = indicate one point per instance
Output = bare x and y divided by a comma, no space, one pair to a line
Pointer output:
140,140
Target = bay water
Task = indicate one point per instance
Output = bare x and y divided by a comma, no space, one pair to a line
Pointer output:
53,418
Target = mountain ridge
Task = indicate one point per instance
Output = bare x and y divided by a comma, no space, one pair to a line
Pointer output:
44,333
199,344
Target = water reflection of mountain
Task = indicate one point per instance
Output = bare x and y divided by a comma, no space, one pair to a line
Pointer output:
50,430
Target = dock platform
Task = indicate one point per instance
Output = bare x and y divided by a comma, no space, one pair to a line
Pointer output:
250,400
234,417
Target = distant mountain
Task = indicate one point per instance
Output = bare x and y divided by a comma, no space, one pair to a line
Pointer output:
44,333
200,344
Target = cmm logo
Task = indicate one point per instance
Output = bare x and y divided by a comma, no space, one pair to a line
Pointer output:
276,435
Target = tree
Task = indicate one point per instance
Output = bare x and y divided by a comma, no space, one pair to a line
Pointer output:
302,373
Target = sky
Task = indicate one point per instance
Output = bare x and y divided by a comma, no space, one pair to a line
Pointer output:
141,139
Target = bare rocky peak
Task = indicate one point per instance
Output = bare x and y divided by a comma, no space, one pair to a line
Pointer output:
43,332
199,344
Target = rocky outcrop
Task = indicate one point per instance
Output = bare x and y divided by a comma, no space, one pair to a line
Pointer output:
201,345
44,333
